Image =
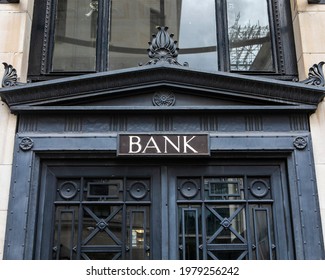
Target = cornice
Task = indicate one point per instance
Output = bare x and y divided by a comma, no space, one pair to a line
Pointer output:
122,81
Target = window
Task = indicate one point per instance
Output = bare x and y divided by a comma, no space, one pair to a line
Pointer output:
72,37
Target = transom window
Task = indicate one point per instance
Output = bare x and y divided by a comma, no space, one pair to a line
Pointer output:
82,36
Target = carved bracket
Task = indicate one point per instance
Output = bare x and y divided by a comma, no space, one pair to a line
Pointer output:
315,75
10,77
163,48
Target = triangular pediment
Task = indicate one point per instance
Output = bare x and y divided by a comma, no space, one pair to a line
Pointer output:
161,86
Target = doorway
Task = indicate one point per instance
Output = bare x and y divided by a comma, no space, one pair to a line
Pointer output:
216,210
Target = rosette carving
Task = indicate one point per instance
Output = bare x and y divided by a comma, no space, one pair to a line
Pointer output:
164,99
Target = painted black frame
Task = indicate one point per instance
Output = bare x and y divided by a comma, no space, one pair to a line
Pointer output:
23,208
163,217
246,118
63,168
43,34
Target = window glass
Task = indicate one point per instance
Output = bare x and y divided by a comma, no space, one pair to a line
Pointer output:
134,22
250,47
75,36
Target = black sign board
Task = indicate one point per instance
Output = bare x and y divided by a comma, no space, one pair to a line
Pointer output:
163,145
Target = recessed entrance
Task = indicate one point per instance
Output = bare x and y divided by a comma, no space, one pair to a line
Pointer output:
236,210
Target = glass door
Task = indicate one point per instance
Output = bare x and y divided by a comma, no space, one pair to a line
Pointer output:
118,212
105,213
229,213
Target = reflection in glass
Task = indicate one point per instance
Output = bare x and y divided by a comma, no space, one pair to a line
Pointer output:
75,36
103,189
65,236
250,45
226,224
262,234
223,188
102,227
100,256
138,233
228,255
133,23
189,235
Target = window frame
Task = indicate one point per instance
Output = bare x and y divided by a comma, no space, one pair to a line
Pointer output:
42,38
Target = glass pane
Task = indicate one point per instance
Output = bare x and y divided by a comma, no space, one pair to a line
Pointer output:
223,188
65,236
227,255
133,23
263,233
249,35
75,36
189,233
138,233
102,225
103,189
100,256
226,224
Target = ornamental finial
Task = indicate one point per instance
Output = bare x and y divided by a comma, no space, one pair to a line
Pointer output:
163,48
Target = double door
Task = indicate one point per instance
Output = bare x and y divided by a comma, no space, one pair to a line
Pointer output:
214,211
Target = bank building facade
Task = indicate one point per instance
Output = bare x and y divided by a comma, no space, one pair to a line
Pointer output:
162,129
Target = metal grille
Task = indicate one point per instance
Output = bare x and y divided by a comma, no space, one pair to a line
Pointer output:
102,218
225,218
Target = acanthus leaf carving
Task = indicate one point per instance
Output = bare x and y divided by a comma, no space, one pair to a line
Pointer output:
163,48
10,77
315,75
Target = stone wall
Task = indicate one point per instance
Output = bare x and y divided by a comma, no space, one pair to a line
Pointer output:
309,26
15,22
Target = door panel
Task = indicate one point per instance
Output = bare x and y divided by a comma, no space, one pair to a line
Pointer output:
164,212
229,212
101,213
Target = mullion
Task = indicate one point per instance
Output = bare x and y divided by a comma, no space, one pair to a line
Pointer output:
274,43
80,218
102,35
222,36
248,219
50,32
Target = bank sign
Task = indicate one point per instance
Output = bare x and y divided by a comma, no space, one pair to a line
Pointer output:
163,145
